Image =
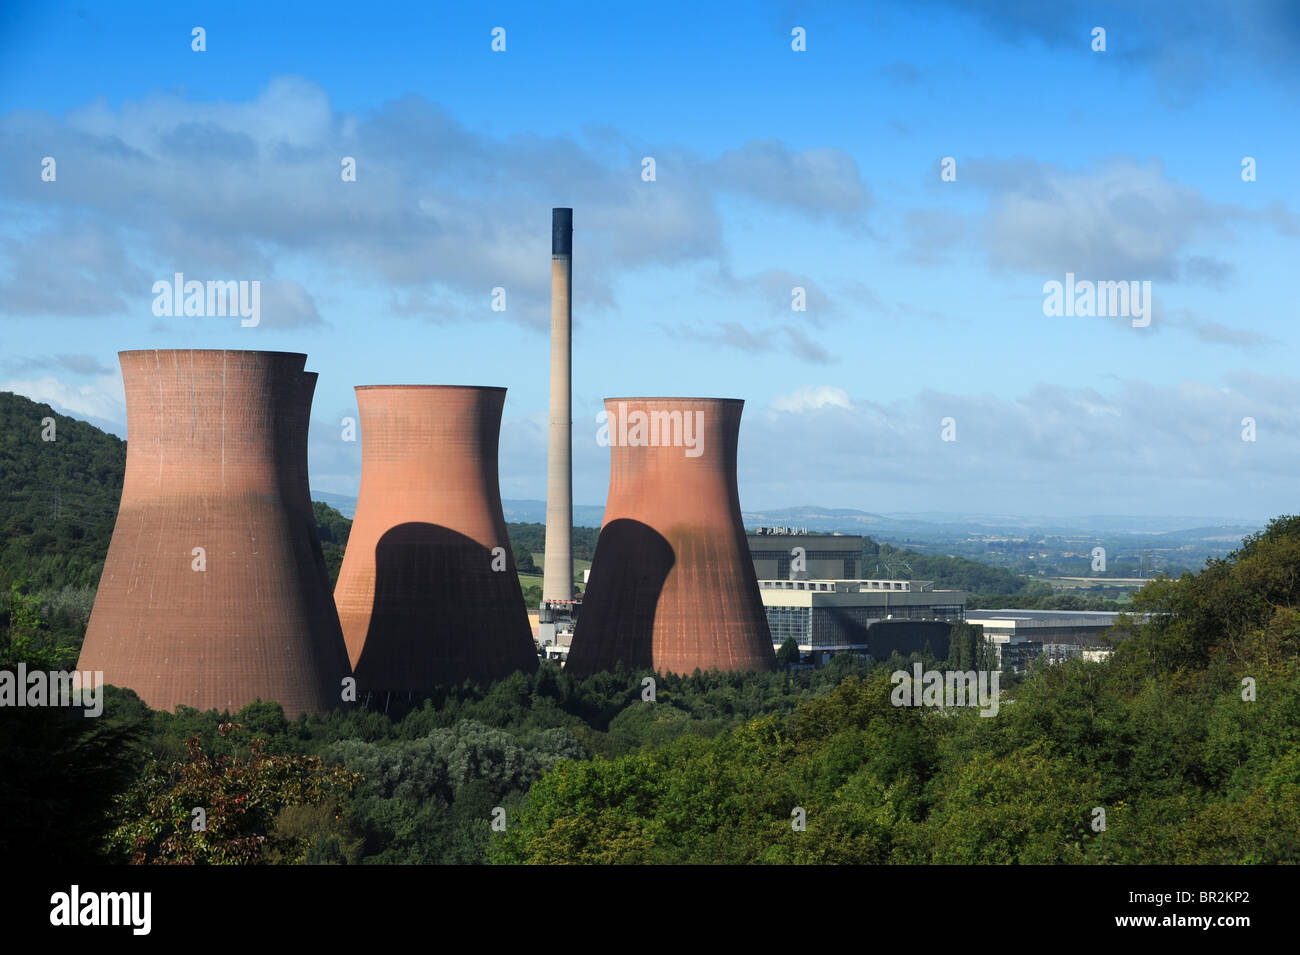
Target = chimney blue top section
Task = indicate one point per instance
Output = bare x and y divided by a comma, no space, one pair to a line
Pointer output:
561,232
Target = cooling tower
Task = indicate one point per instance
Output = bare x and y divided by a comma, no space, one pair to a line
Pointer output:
213,593
428,593
672,585
308,541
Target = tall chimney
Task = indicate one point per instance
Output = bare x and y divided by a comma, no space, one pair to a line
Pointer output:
557,582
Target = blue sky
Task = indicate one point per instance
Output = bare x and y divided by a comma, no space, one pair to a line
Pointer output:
775,169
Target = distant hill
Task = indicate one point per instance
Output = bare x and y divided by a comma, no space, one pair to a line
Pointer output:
942,525
343,503
58,499
58,502
534,512
931,527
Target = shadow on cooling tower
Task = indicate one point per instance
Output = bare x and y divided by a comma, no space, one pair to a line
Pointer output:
441,614
617,621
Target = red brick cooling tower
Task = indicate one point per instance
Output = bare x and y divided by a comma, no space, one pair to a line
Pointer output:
672,585
425,596
217,459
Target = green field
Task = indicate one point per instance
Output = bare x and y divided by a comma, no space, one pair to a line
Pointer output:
1120,590
535,580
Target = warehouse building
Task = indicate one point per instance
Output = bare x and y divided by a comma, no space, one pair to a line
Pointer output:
1022,635
869,617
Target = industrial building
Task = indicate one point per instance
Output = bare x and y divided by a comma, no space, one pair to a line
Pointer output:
672,585
214,592
782,553
868,617
428,593
1022,635
812,592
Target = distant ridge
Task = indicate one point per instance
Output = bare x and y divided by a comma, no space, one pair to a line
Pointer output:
932,524
916,525
343,503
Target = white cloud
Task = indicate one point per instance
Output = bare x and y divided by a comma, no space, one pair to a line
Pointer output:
812,398
819,181
1137,446
1117,219
232,190
101,401
1122,219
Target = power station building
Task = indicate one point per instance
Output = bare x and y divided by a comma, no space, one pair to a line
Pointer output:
782,553
214,592
867,617
1023,635
812,593
428,593
672,585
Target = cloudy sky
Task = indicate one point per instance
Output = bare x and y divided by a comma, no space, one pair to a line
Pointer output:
774,168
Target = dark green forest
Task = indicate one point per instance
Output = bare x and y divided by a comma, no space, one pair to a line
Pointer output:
531,539
1183,747
332,528
58,498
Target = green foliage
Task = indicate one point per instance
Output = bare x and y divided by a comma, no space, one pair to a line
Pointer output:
948,573
530,539
1164,738
1245,606
788,652
968,650
986,586
59,497
26,636
242,798
60,771
1185,774
450,779
332,528
312,835
1038,595
435,770
23,623
1025,807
